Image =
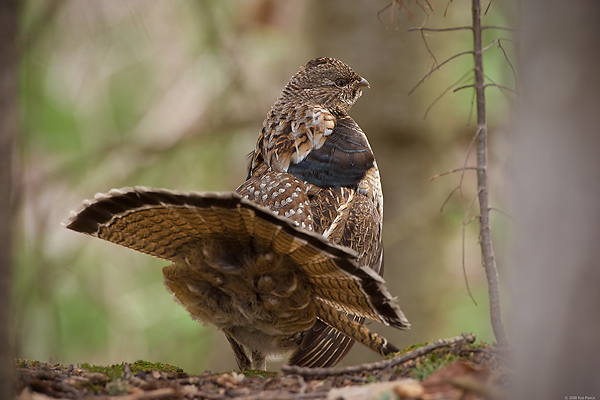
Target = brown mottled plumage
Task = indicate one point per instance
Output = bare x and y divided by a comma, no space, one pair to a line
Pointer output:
290,262
309,134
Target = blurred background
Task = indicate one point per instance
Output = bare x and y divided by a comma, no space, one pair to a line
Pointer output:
120,93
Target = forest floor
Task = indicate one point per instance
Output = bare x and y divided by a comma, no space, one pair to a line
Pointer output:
454,369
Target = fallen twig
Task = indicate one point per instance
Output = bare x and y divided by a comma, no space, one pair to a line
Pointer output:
399,359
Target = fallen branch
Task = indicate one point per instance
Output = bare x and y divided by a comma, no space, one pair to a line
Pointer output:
386,364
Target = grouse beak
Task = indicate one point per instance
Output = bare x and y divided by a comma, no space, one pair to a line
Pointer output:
363,83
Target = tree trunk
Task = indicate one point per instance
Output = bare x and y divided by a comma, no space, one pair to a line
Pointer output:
8,134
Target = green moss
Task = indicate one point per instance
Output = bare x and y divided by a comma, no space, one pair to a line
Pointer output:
141,365
407,349
23,363
113,371
256,373
432,362
477,345
116,370
437,359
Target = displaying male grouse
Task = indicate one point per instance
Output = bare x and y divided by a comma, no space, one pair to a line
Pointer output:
292,260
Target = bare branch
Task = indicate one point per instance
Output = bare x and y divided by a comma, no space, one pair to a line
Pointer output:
462,175
425,5
496,41
462,28
503,28
488,7
438,67
501,87
473,218
508,61
386,364
456,28
485,86
381,12
429,50
502,212
452,172
447,7
428,5
465,75
489,46
457,188
463,87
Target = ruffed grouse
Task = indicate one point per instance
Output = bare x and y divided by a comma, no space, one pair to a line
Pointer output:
292,260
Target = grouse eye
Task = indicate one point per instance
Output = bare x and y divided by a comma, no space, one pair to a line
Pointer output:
341,82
